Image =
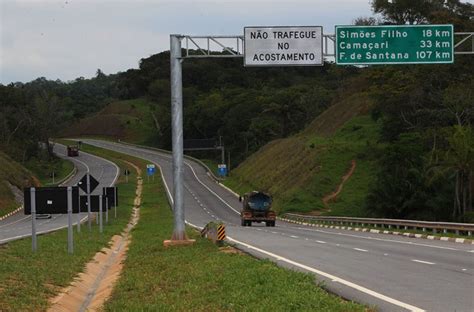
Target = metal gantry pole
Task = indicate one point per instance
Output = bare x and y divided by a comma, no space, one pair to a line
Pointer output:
177,135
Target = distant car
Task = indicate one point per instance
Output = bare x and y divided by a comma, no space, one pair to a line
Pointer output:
43,216
72,150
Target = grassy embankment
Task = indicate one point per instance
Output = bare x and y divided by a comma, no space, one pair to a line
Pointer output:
300,170
28,280
131,121
43,170
12,173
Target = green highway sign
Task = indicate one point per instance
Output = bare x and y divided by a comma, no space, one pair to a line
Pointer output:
394,44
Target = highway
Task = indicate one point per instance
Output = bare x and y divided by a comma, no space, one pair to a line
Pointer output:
391,272
19,225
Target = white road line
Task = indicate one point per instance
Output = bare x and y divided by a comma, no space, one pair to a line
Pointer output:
464,269
383,239
359,249
294,236
385,254
274,232
321,242
420,261
4,225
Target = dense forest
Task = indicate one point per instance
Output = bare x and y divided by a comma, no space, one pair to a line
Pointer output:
427,111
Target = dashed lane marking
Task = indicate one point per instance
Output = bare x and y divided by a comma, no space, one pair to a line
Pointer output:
421,261
360,249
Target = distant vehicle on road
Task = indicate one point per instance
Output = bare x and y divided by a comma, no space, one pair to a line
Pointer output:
72,150
256,207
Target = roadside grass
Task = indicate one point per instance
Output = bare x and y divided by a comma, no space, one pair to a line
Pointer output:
301,170
28,280
13,173
43,170
203,278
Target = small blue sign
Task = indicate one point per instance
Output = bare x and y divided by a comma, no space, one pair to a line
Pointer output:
150,171
222,170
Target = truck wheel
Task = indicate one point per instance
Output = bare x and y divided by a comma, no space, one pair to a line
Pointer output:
273,223
243,223
249,223
268,223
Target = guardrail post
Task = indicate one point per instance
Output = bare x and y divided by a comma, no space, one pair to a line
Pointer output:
406,227
424,229
434,231
469,233
445,231
457,232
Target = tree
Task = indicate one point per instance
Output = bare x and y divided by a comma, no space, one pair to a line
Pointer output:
405,11
457,161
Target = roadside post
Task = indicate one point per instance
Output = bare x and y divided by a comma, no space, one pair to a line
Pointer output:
79,211
100,213
126,173
106,210
34,245
89,201
88,184
70,241
115,202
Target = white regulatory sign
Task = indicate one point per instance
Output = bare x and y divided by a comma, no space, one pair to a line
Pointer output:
283,46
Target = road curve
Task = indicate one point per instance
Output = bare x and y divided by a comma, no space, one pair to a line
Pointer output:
19,225
394,273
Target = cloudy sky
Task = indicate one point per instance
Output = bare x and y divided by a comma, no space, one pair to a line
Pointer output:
66,39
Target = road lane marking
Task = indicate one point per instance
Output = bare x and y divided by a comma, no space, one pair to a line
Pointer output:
382,239
294,236
359,249
321,242
421,261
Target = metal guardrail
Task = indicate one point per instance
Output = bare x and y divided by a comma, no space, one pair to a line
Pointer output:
398,223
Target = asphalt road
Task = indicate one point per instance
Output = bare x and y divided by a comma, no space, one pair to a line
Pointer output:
19,225
391,272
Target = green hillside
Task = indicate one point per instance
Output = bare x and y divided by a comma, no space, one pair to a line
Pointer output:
12,174
131,120
300,171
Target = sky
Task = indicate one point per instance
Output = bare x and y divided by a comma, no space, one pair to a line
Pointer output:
67,39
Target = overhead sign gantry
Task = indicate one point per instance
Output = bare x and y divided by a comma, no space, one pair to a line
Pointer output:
299,46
